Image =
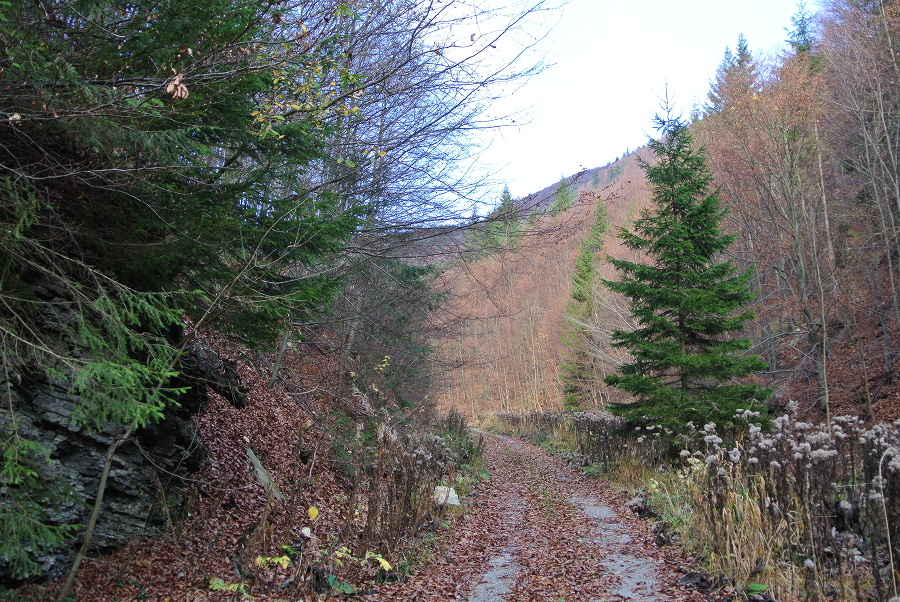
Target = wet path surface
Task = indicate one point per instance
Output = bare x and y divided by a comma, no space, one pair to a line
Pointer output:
540,530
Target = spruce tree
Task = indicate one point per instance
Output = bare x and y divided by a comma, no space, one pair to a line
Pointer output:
736,74
564,196
146,173
508,223
500,230
801,37
687,301
579,366
577,375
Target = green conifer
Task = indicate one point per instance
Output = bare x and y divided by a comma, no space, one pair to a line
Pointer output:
686,301
564,197
579,374
148,172
801,36
736,73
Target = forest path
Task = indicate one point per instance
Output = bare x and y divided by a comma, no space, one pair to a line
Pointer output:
541,530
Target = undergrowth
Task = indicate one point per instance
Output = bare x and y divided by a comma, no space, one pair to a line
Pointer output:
391,507
390,512
799,511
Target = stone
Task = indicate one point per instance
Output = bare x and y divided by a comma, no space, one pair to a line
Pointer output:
445,496
204,364
638,505
662,535
136,501
696,580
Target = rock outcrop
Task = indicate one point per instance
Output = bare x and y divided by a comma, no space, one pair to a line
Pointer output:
146,487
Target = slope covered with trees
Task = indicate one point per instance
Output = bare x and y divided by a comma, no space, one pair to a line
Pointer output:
801,147
504,349
295,176
801,150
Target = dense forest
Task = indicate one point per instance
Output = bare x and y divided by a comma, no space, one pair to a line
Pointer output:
239,240
265,171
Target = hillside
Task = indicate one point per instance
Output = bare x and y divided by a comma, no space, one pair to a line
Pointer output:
289,494
248,309
505,352
506,347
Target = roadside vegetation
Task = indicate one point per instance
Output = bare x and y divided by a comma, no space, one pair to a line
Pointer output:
263,171
716,326
799,510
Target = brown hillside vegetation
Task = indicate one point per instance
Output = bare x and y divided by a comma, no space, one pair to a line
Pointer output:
506,347
803,148
505,351
293,502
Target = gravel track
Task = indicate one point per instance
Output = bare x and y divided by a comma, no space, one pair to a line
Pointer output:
540,530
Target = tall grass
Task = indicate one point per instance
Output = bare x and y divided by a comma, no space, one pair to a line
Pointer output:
806,510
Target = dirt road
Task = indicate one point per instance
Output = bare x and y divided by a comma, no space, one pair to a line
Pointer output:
540,530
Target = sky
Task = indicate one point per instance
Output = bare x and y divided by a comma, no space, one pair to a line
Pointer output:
610,63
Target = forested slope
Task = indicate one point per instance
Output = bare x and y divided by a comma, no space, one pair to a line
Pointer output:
803,149
197,200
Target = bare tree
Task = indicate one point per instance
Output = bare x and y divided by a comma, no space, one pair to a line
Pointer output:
860,49
768,156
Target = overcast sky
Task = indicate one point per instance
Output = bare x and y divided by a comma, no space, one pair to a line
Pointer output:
611,62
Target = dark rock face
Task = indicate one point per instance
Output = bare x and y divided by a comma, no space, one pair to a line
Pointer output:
204,365
146,484
144,491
